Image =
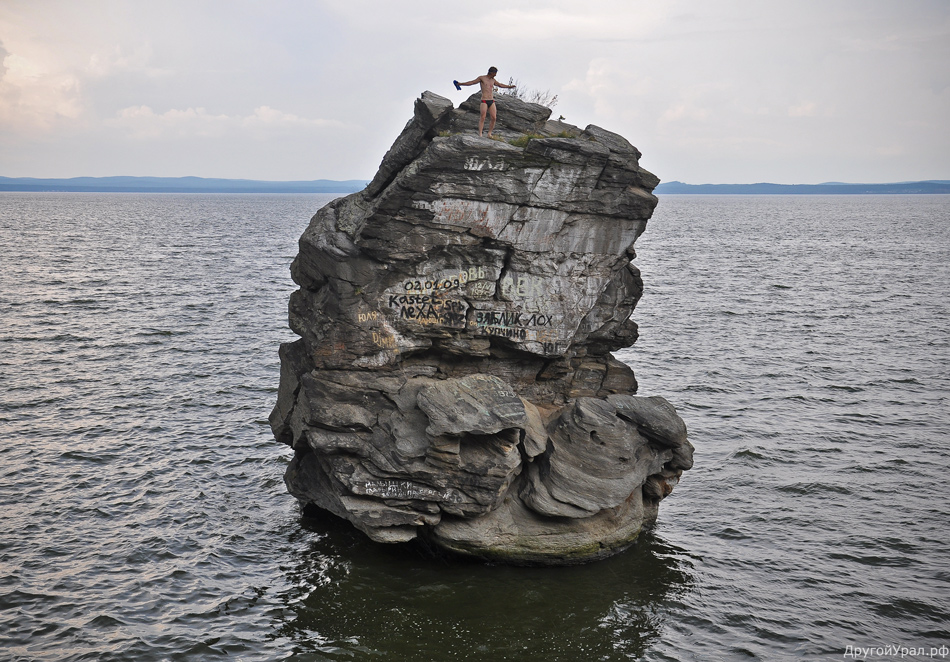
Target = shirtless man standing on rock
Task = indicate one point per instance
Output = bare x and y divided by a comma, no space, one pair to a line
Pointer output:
488,84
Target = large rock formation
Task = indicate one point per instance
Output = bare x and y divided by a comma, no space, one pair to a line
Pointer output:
453,377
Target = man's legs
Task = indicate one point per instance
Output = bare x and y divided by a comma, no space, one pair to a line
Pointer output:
491,123
481,119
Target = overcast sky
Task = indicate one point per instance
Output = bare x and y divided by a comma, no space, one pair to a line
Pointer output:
731,91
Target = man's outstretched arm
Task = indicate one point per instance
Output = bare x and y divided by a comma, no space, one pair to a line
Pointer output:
471,82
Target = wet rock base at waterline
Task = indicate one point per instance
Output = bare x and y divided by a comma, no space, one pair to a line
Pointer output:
453,380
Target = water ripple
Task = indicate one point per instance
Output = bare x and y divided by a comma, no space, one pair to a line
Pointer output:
145,516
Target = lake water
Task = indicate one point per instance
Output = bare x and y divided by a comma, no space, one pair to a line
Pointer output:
804,339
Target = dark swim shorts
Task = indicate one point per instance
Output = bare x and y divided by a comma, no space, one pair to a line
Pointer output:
488,101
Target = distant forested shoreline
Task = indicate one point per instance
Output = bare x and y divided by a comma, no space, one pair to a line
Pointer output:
831,188
177,185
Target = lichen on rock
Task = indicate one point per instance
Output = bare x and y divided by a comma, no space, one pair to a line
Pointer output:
453,379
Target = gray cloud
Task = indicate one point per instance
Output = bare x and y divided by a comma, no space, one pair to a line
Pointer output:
732,91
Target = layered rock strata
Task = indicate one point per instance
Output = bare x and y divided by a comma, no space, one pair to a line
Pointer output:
453,379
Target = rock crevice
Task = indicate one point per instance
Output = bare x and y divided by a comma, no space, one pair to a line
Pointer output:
453,377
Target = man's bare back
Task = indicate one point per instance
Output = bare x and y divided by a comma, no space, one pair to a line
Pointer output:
488,85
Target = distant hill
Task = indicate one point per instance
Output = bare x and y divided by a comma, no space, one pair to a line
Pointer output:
177,185
831,188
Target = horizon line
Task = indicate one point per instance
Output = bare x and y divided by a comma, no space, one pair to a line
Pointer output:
196,184
358,179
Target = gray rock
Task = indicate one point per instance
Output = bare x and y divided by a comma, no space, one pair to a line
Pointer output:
595,462
480,404
515,534
453,378
655,418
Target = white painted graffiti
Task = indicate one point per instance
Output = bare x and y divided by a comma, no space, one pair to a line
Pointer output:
403,489
521,286
475,163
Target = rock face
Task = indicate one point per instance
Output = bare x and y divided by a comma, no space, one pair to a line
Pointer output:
453,377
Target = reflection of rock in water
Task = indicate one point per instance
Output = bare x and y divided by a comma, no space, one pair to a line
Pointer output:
358,600
453,379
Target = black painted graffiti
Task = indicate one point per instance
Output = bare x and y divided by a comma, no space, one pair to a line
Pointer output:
430,314
432,285
443,283
425,309
511,319
505,332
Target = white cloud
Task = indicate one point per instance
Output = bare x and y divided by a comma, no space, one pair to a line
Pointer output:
803,109
683,111
33,97
617,21
598,85
116,59
143,123
266,116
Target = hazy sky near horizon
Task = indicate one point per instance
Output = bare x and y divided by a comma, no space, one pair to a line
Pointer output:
720,91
